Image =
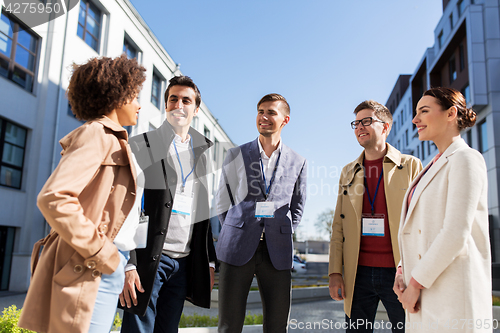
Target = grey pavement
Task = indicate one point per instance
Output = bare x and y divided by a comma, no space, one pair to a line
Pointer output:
320,316
310,317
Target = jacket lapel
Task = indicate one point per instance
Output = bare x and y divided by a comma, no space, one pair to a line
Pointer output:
280,171
257,171
427,175
123,139
160,141
355,181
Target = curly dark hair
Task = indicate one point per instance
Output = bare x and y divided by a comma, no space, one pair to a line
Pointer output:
104,84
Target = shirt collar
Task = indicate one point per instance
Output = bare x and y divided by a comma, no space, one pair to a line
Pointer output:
263,153
178,139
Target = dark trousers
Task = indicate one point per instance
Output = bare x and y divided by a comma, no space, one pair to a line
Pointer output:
166,303
374,284
275,293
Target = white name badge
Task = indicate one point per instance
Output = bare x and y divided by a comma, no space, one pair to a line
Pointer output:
182,204
373,225
264,209
141,234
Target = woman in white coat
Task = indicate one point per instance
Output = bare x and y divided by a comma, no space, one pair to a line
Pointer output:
444,279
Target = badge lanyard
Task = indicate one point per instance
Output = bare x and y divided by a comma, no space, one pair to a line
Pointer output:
268,188
180,164
372,202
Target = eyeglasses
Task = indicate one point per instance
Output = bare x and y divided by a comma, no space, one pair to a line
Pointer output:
365,122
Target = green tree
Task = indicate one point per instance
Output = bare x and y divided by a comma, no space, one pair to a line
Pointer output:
324,222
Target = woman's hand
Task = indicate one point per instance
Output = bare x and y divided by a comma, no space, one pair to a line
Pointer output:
399,285
410,299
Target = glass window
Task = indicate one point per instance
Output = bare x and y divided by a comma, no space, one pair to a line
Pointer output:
461,51
453,69
469,138
129,49
206,132
483,137
18,52
406,138
461,7
466,92
451,21
12,146
89,24
224,152
440,39
156,91
216,149
423,150
194,123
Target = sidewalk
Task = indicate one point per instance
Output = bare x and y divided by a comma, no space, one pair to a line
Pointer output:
307,317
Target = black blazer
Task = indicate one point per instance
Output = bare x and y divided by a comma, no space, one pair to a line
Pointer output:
158,206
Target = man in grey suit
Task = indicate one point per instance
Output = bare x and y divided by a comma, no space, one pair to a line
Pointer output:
260,203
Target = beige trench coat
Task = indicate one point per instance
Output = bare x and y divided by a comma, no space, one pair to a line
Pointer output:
346,227
444,243
85,201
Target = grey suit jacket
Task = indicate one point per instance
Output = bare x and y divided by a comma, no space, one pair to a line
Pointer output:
241,186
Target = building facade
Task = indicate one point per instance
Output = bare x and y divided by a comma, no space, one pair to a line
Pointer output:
35,114
465,56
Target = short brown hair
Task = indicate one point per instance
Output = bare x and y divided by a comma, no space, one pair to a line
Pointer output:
448,97
102,85
273,98
186,81
381,111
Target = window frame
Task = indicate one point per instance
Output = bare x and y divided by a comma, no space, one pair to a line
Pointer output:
468,135
461,55
206,132
89,3
461,7
481,133
216,149
466,92
128,46
128,43
156,101
12,64
452,69
3,126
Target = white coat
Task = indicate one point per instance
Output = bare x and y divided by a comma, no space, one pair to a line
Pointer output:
445,245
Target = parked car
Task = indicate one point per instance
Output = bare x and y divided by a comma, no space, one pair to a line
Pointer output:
299,265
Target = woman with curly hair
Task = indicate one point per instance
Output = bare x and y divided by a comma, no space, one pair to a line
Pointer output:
444,281
77,278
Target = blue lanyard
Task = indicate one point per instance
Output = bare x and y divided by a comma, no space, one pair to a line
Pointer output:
142,203
268,188
372,202
180,164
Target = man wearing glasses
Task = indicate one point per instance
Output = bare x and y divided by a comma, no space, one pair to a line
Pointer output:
364,244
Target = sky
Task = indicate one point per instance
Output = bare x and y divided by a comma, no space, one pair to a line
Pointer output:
323,56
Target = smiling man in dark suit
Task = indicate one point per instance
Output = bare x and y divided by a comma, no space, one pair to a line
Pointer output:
178,261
